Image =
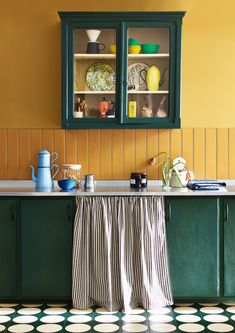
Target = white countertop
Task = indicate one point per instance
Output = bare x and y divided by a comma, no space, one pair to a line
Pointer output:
107,188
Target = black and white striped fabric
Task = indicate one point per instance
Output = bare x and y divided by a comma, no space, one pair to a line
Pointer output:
120,254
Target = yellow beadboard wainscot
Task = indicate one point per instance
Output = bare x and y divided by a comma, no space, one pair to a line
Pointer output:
114,154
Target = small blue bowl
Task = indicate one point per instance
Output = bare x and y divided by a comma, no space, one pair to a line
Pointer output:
67,184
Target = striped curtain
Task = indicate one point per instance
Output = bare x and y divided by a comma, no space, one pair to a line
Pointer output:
120,254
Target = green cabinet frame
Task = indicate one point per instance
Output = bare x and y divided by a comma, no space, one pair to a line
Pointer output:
121,21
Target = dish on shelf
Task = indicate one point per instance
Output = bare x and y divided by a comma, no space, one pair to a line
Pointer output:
100,76
134,78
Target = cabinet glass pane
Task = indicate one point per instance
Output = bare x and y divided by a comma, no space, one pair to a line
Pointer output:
94,73
148,72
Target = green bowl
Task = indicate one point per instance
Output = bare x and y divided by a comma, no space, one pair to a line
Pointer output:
133,41
150,48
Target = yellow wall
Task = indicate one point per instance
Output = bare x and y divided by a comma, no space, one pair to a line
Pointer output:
30,98
30,59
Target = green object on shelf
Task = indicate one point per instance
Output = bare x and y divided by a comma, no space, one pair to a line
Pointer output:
133,41
150,48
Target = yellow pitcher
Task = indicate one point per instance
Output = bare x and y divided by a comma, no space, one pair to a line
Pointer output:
153,77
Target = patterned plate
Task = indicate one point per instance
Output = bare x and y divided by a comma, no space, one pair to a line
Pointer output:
134,77
100,77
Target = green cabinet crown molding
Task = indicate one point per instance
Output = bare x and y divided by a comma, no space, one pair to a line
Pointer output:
81,98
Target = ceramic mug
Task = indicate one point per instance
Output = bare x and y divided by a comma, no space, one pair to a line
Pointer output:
94,47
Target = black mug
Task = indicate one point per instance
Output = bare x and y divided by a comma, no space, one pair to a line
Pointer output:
94,47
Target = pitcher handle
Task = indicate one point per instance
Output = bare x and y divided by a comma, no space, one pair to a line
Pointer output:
56,166
144,79
55,158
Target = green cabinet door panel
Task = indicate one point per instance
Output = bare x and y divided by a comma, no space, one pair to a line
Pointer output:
229,247
193,247
46,253
8,241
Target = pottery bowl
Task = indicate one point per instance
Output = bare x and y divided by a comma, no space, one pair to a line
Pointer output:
135,49
67,184
149,48
133,41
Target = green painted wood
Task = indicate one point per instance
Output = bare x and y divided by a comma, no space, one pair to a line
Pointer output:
8,254
121,21
46,247
229,246
193,246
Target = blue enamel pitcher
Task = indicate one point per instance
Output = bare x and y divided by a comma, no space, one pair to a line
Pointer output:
44,179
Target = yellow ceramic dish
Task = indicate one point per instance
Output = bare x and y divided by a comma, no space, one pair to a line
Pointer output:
134,49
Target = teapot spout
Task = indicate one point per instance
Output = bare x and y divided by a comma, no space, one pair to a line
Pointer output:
33,176
162,77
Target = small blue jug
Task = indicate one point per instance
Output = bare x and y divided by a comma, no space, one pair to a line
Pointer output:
44,179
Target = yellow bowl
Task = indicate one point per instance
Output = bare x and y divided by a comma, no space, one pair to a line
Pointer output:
113,48
134,49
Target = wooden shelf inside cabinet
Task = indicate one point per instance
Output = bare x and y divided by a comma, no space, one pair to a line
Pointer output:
87,56
91,92
148,92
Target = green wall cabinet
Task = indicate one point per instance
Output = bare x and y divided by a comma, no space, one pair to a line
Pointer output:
46,248
8,252
193,231
229,246
105,77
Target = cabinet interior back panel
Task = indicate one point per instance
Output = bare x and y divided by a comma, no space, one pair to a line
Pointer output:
114,154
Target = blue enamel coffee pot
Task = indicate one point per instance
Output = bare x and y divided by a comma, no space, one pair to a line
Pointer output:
44,179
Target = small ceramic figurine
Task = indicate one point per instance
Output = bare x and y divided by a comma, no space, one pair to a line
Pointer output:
161,112
147,108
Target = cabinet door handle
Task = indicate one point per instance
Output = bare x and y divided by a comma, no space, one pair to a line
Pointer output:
12,213
168,213
226,213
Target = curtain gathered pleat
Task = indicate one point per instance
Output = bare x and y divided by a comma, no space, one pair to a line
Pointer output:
120,253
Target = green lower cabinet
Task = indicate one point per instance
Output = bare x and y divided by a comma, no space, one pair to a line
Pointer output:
229,247
193,246
46,248
8,252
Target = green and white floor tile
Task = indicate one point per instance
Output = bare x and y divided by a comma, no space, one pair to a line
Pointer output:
49,318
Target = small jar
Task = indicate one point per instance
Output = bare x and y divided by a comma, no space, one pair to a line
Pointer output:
72,171
144,179
136,180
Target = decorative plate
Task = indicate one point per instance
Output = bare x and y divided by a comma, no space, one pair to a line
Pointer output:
100,77
134,78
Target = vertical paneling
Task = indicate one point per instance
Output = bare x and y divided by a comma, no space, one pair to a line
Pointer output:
117,154
222,153
176,143
164,146
140,150
48,140
199,153
12,154
59,147
35,146
71,146
114,154
3,154
231,153
152,150
128,153
210,153
82,146
187,147
105,155
94,152
24,154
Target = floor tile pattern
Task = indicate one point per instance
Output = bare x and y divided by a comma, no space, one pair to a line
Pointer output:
50,318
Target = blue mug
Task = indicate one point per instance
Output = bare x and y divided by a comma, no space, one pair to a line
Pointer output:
94,47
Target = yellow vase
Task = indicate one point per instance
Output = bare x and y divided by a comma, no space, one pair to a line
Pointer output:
153,78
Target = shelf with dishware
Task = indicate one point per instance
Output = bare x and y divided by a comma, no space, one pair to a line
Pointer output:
123,66
85,56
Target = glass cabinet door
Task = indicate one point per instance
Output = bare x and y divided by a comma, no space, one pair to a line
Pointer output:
93,75
148,53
